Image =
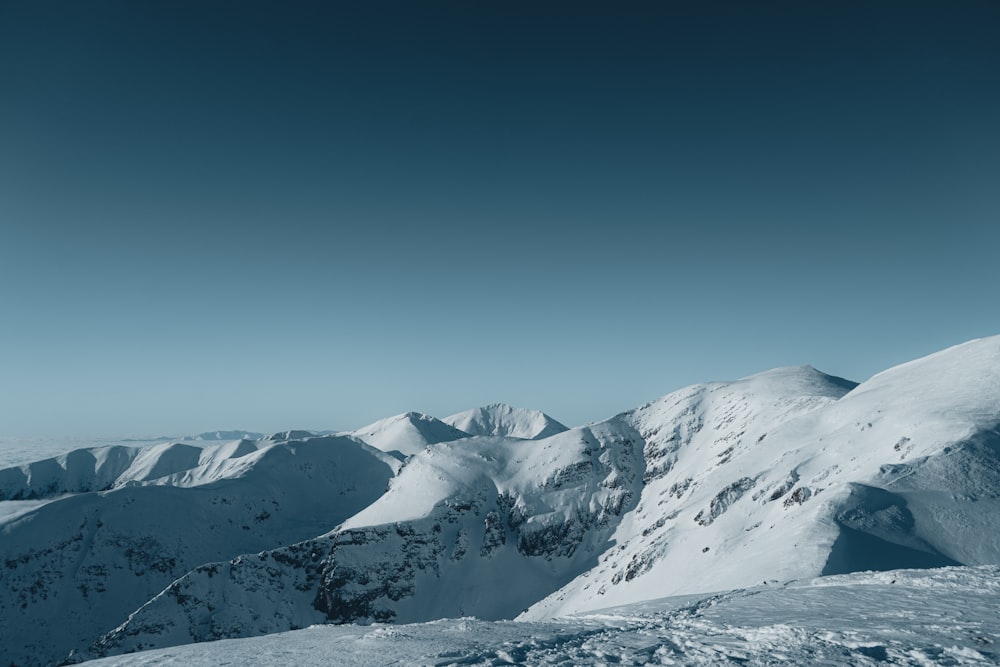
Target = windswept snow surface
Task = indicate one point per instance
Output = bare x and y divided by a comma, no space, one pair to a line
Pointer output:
502,419
931,617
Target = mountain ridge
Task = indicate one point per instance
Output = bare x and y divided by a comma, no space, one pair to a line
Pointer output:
74,566
786,474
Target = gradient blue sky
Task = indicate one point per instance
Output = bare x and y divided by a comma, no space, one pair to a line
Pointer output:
305,214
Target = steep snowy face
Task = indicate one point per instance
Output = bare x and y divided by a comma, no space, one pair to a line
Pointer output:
902,471
502,419
75,567
408,433
706,453
486,524
482,527
710,425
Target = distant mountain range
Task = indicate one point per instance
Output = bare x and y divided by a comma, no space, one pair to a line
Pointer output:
501,512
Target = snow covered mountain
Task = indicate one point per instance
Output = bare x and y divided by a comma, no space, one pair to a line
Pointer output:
407,434
211,436
446,539
788,474
902,471
73,567
105,468
502,419
108,467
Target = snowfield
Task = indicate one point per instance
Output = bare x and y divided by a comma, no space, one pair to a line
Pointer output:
906,617
607,542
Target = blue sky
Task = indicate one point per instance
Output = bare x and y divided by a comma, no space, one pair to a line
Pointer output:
273,215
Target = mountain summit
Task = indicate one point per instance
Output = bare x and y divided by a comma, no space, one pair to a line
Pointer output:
407,433
502,419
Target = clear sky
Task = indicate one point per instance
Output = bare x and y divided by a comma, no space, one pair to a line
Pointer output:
268,215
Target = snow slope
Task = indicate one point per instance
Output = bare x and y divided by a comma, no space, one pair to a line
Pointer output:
407,434
105,468
72,568
932,617
502,419
902,471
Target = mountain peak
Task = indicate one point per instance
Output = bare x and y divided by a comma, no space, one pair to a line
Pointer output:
225,435
805,378
294,434
505,420
407,433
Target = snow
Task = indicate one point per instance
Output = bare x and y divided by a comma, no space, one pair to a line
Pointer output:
446,539
18,451
502,419
937,617
791,474
12,509
717,493
227,435
75,565
407,434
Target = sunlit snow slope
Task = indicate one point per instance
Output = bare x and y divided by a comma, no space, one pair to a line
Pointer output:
745,486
